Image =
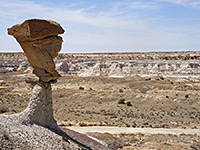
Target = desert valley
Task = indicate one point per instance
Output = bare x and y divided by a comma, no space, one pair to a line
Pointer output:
133,90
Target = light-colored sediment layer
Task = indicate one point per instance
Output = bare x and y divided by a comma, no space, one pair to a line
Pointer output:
126,130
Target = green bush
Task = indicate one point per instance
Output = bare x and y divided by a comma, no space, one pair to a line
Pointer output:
121,91
147,79
121,101
161,78
128,104
81,88
187,96
82,124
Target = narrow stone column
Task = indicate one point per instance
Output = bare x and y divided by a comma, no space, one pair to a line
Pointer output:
40,108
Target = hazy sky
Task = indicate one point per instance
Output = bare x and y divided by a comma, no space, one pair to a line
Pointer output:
110,25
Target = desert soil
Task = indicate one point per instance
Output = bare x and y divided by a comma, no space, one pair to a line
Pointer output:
157,102
154,102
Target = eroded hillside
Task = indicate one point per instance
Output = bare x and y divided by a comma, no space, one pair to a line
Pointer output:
113,64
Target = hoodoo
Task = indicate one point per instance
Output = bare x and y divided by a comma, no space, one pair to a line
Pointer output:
35,127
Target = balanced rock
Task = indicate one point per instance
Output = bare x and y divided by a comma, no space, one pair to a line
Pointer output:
35,128
40,41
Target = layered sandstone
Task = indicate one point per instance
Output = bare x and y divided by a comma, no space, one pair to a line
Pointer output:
40,41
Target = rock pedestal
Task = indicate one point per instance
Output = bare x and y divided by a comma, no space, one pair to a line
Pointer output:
40,41
40,108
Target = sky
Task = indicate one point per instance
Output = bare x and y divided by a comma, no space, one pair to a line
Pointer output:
101,26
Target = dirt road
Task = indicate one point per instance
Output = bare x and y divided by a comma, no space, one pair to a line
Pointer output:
118,130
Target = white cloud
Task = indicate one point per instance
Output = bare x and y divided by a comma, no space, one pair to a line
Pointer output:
116,29
110,19
143,5
176,1
190,3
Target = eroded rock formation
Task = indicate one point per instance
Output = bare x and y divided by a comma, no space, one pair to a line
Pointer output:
40,41
32,128
120,64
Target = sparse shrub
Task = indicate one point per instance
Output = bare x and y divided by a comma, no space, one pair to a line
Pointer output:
166,58
3,109
161,78
81,88
167,96
134,125
128,104
176,94
148,79
140,134
186,96
121,101
122,134
121,91
107,133
145,123
14,111
82,124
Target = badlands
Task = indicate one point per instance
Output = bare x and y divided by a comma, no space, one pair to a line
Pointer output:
134,90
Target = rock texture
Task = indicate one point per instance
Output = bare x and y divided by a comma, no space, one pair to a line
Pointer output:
40,41
33,137
39,110
35,127
32,128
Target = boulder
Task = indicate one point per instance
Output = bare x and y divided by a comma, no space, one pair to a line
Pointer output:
35,29
40,41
